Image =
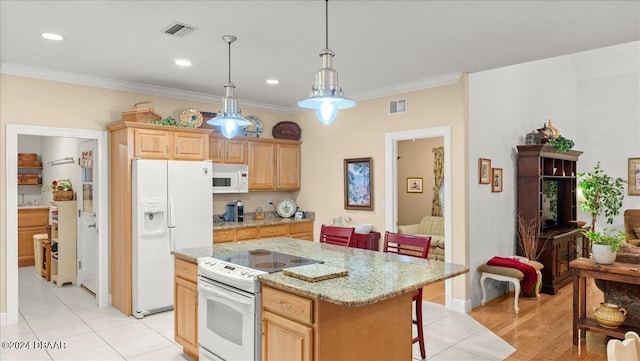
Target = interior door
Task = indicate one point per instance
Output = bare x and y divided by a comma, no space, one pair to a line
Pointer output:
88,220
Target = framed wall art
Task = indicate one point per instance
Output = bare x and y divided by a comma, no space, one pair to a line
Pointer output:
484,171
634,177
414,185
358,184
496,179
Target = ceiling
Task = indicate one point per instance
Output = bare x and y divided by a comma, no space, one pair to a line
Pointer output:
380,46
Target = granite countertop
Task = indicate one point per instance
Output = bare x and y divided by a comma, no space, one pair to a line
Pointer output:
372,276
32,207
267,221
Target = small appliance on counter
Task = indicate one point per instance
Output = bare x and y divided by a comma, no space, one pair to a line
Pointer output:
234,212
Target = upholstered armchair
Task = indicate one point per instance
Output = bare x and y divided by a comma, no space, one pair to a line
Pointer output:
632,226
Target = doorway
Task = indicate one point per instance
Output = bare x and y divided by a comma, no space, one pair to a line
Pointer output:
391,186
101,137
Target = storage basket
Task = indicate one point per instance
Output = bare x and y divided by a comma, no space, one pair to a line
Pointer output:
28,160
28,179
141,115
62,195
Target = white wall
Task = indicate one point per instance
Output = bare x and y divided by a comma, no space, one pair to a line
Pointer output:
592,98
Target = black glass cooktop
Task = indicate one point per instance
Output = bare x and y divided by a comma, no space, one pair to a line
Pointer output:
266,260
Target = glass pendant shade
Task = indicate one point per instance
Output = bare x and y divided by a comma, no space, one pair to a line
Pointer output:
326,96
229,118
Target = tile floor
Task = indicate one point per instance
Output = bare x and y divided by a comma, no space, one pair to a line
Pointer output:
68,314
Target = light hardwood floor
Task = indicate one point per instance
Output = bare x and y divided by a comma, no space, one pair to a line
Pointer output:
542,330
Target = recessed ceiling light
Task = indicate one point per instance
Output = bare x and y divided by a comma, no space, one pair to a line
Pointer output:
52,36
273,81
182,62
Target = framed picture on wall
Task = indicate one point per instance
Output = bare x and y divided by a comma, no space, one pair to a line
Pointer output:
414,185
358,184
484,171
496,179
634,177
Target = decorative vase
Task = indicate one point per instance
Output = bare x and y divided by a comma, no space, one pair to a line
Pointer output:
603,254
609,315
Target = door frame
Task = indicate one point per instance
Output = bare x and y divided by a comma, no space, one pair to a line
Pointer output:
391,187
12,132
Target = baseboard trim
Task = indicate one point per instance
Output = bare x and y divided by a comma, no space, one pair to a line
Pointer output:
3,319
459,305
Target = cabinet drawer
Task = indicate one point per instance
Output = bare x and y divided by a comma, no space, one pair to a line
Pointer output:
247,233
274,231
224,235
288,305
301,227
186,270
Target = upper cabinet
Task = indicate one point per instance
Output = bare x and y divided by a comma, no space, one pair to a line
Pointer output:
170,144
274,164
230,151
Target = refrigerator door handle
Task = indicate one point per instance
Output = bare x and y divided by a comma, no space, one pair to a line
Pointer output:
172,216
172,239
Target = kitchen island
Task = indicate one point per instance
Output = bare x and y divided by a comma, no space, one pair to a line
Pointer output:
363,315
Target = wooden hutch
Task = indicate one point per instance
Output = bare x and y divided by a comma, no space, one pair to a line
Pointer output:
560,241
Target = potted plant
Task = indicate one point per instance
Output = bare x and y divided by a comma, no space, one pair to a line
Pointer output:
603,195
605,244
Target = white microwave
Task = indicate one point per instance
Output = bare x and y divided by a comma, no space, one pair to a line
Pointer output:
230,178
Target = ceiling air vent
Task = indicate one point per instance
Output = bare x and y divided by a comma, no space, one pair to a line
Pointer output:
178,29
398,106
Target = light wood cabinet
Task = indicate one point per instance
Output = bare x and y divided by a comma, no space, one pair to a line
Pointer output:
229,151
262,163
31,221
300,230
63,215
277,230
128,140
274,164
285,339
185,312
163,144
224,235
288,166
296,327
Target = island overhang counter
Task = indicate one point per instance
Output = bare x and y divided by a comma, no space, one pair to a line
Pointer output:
365,314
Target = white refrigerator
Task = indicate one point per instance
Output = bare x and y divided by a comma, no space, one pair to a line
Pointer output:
172,209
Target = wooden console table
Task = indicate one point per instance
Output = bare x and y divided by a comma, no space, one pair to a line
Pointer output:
585,267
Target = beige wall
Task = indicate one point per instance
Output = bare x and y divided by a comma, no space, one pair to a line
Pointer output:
357,132
360,132
28,101
415,159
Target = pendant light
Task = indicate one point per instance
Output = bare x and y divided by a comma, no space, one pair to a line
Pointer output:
326,95
229,118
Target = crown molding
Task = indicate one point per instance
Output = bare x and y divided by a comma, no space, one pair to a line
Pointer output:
400,88
121,85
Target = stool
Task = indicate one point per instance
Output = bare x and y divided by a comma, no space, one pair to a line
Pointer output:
37,250
509,274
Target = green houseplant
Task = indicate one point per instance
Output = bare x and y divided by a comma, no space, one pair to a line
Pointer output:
561,144
603,195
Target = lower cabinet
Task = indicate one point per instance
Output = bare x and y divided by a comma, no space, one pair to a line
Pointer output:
297,328
31,221
299,230
558,250
185,312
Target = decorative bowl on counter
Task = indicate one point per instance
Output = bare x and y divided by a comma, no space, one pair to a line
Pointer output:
363,228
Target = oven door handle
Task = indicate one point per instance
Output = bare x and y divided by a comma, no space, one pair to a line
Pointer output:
213,291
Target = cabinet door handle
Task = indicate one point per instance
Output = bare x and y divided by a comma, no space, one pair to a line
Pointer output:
284,305
92,226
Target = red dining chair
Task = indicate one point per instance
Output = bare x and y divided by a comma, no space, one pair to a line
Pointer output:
341,236
415,246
